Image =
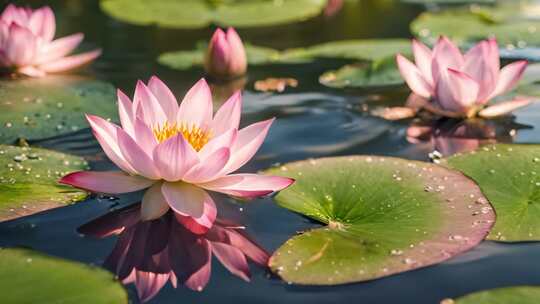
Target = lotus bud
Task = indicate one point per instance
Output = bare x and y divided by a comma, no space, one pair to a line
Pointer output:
226,56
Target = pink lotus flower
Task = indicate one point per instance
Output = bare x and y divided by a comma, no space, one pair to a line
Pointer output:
151,253
333,7
27,45
226,56
459,85
178,152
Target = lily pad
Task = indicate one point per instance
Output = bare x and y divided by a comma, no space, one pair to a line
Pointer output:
50,106
364,75
383,216
446,2
184,60
30,277
28,180
364,50
507,295
509,22
201,13
509,176
368,49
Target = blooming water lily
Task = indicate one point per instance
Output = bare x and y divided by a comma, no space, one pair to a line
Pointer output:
178,152
461,85
27,45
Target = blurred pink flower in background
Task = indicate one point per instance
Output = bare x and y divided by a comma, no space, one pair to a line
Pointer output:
458,84
27,45
333,7
151,253
177,152
226,57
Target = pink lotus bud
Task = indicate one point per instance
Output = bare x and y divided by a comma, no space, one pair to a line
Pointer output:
226,56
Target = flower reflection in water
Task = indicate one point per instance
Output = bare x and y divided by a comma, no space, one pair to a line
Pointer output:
448,137
150,253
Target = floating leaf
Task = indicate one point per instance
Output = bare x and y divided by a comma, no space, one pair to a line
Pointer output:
50,106
183,60
366,50
509,176
30,277
508,22
507,295
394,113
28,180
446,2
383,216
275,84
201,13
364,75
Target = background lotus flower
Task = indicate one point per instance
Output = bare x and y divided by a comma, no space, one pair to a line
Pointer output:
178,152
458,84
226,56
27,45
150,253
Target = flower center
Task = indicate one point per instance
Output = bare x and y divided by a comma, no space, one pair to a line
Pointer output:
195,135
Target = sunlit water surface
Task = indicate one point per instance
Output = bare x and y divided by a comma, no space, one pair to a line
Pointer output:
312,121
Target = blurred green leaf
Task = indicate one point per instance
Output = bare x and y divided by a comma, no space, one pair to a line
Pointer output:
29,180
29,277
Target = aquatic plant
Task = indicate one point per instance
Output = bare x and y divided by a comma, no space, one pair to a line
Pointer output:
226,56
177,152
27,46
458,85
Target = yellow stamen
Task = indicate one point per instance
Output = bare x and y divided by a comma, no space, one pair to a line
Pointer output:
195,135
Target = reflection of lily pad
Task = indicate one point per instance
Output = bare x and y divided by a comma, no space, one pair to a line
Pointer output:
507,22
507,295
201,13
366,50
28,180
369,75
45,107
31,277
383,216
509,176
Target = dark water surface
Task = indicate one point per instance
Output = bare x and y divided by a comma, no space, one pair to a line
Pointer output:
312,122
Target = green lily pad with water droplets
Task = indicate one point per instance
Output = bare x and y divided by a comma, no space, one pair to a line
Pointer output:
509,176
360,50
513,23
382,216
376,74
50,106
201,13
28,277
28,180
506,295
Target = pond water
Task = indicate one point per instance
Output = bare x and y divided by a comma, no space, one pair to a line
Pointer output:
312,121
